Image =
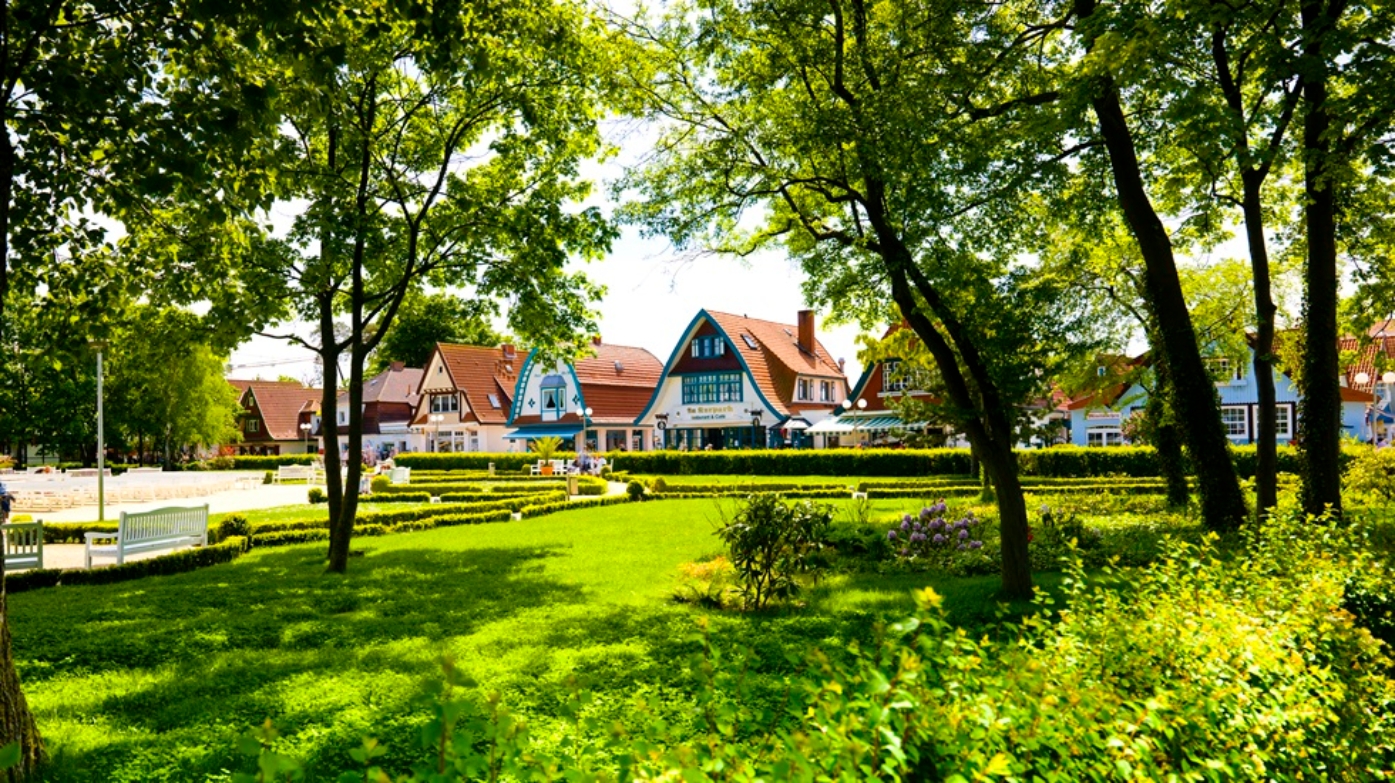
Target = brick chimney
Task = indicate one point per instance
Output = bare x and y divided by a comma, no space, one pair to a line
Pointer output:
596,341
398,366
806,331
507,350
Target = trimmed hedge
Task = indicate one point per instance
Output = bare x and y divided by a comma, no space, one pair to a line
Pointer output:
503,461
1058,461
175,563
249,462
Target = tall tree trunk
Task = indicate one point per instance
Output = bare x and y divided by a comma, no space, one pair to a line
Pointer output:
1266,419
1167,439
329,418
1194,394
16,721
1322,402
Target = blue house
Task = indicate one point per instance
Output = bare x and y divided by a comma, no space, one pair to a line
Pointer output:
1098,419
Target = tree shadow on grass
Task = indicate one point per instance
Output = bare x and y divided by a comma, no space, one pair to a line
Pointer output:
271,635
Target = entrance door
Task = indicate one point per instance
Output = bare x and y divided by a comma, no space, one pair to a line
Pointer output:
714,437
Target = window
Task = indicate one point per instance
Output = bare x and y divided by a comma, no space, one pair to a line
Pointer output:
708,347
445,403
254,425
825,391
804,389
1100,371
1283,421
1236,420
554,401
892,380
711,387
1104,436
342,414
494,400
1224,371
750,341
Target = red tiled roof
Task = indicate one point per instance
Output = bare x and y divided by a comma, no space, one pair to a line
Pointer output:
619,365
479,372
395,384
777,360
1374,359
281,403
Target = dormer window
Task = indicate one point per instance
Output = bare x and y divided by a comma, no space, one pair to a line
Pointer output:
892,380
804,389
708,347
554,397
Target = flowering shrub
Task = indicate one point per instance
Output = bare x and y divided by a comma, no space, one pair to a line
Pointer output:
925,535
770,543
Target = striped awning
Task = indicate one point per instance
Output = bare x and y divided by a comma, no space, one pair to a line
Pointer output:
842,425
563,431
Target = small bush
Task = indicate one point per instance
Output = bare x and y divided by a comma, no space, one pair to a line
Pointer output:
318,496
929,536
635,490
380,483
269,477
658,485
770,543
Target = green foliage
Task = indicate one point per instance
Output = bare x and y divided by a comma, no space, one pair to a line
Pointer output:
250,462
380,483
317,495
545,448
1370,475
770,544
175,563
426,319
635,490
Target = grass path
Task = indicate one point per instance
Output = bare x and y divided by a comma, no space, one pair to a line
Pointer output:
152,680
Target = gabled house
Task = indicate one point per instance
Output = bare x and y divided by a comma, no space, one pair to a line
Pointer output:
738,382
1100,418
463,398
277,417
389,401
1371,371
593,402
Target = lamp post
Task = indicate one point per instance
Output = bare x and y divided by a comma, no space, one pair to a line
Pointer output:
436,419
586,414
1363,379
100,345
847,408
305,433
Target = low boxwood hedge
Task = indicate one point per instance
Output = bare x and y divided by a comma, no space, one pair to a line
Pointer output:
174,563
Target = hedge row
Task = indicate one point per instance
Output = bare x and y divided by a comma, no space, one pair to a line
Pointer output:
1059,461
460,487
249,462
176,563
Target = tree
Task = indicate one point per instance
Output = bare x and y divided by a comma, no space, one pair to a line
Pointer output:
432,144
427,319
850,133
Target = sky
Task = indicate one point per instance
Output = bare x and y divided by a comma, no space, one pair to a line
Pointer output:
652,291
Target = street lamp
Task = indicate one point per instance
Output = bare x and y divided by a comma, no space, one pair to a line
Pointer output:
1362,379
436,419
847,408
586,414
305,433
100,345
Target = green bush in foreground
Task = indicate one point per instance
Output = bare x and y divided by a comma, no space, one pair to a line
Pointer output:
1211,666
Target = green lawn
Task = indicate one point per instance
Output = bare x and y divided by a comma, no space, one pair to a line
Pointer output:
152,680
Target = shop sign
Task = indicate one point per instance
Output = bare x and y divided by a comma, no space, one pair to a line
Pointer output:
708,412
1110,415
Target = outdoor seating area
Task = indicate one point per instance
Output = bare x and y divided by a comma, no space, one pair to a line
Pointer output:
165,528
56,491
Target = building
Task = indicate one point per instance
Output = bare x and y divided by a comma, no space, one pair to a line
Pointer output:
1100,418
870,418
278,417
463,398
601,395
389,402
738,382
1371,371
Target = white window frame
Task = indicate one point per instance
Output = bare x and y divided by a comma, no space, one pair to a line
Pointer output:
890,384
254,425
559,394
1108,436
825,391
445,403
1244,433
804,389
1283,421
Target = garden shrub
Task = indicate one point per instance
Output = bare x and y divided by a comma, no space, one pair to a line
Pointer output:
250,462
317,496
269,477
635,490
174,563
1370,476
770,543
403,497
380,483
710,584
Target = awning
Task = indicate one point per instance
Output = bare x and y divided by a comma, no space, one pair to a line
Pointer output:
795,424
842,425
563,431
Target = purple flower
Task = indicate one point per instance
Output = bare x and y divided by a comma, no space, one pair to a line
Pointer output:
963,534
926,513
975,544
937,523
906,525
906,519
891,535
917,537
905,552
939,538
960,547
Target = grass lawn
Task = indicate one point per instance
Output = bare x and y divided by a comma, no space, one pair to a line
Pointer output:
152,680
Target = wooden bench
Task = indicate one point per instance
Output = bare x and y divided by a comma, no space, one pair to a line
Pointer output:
164,528
304,473
24,545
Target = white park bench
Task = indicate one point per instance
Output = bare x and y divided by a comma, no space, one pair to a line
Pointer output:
400,475
24,545
164,528
304,473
